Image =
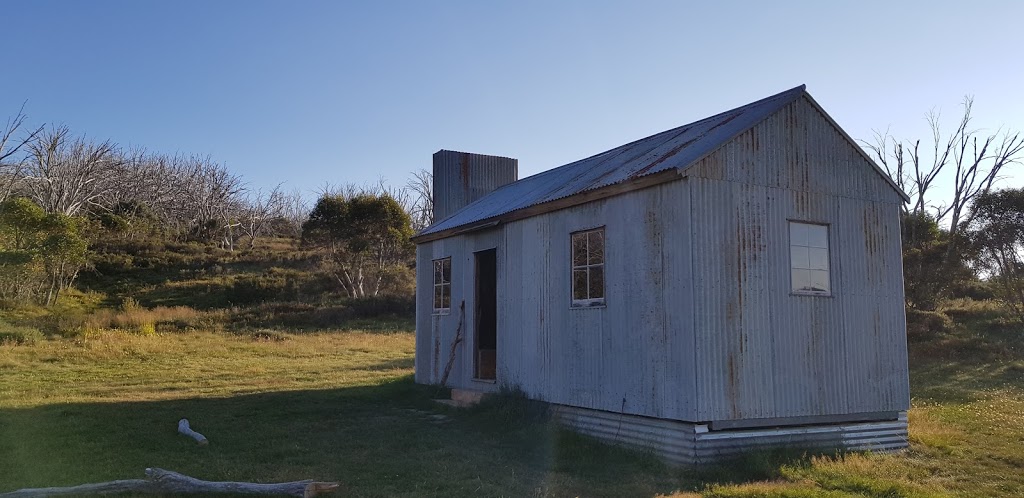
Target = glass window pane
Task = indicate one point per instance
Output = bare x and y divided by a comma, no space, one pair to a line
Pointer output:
437,297
818,258
437,271
819,280
446,296
595,247
596,282
579,249
799,257
797,234
446,270
801,280
579,284
817,235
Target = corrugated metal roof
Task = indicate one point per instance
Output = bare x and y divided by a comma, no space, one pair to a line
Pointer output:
675,148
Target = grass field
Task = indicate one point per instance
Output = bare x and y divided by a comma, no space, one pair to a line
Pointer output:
342,406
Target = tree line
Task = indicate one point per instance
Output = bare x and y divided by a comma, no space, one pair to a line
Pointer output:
969,240
60,191
57,188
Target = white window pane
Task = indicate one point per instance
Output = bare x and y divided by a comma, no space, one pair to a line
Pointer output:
818,258
817,235
797,234
801,280
799,257
819,280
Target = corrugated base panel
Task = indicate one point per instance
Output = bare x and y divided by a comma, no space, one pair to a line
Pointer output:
684,443
669,439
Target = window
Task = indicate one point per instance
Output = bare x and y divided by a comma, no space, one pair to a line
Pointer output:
588,268
442,285
808,253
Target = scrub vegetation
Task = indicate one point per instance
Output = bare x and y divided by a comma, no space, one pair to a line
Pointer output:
339,404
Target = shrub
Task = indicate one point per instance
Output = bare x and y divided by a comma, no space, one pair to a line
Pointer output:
129,304
923,325
146,328
13,334
372,307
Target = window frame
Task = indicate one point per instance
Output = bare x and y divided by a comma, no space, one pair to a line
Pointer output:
828,258
442,285
589,302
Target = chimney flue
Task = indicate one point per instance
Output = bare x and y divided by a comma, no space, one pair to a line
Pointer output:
462,177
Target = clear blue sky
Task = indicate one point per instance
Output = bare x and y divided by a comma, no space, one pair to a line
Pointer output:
310,92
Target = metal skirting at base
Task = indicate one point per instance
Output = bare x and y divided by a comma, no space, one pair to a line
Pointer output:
685,443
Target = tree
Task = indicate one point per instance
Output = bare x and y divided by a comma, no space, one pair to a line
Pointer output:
997,233
968,159
68,176
10,168
40,254
63,252
926,273
22,224
421,185
361,238
259,210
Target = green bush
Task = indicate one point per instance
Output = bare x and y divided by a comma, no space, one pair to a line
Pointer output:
924,325
19,335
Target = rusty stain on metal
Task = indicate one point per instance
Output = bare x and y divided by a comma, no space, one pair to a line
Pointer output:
733,388
464,167
675,150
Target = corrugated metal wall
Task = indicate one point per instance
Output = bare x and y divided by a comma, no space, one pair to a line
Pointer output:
715,337
435,333
635,354
761,351
461,178
684,443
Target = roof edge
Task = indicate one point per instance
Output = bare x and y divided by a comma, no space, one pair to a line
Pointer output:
487,222
874,165
583,197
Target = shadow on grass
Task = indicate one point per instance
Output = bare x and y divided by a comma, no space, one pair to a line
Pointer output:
981,353
382,440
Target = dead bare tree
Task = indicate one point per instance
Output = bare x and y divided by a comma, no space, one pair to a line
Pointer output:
294,211
10,166
971,159
210,194
259,210
421,189
65,175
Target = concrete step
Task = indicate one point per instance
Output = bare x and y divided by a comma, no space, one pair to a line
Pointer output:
452,403
467,397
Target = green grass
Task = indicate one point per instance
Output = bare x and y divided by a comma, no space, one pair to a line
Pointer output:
280,406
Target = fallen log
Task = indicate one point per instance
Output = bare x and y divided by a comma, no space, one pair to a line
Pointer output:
184,428
159,481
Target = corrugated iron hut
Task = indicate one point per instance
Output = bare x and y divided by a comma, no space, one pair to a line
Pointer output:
729,284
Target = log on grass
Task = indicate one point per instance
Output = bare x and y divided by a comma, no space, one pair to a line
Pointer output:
184,428
159,481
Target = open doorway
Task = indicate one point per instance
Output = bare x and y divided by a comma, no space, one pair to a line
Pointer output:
486,314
